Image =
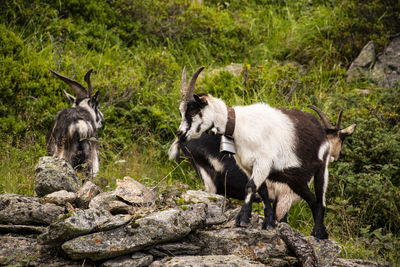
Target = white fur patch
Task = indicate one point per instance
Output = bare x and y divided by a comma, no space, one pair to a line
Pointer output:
208,182
265,140
95,162
82,127
217,165
326,180
173,151
324,148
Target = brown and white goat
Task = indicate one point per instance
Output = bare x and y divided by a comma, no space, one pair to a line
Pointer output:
272,145
73,136
221,174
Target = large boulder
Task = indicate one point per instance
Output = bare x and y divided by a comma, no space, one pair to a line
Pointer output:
54,174
158,227
382,67
27,210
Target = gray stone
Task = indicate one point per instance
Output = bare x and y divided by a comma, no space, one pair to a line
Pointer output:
158,227
21,229
309,251
61,197
384,68
209,261
199,196
26,251
26,210
102,200
119,207
357,263
82,222
215,215
138,259
175,249
53,174
86,193
248,243
134,192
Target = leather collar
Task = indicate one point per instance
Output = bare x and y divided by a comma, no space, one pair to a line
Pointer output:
230,124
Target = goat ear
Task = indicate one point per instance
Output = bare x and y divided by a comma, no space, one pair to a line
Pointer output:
349,130
96,95
200,101
71,98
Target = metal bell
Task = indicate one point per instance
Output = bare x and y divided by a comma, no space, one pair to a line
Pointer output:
227,145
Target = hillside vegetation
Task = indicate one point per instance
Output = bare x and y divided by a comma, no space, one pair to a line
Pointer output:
138,50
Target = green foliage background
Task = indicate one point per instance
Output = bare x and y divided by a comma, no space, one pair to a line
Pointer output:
138,49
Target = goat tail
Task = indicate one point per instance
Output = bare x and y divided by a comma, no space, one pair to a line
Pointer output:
173,152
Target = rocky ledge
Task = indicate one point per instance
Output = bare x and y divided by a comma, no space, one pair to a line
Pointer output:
135,226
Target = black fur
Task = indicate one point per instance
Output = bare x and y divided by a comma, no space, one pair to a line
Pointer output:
58,137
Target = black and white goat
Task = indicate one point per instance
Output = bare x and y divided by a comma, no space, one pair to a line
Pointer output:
73,135
221,174
286,146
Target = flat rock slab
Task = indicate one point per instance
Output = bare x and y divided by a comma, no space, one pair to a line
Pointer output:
82,222
27,210
25,251
209,261
158,227
134,192
137,259
248,243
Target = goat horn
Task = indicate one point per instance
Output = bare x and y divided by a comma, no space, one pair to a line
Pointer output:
184,85
187,92
87,80
323,117
79,90
339,120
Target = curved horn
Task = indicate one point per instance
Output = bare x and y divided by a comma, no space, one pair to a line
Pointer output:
339,120
184,85
79,90
187,92
87,80
323,117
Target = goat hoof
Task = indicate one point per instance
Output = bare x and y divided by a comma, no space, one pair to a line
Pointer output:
268,225
320,233
242,221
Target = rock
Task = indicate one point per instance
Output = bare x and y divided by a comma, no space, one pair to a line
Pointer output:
61,197
53,174
80,223
248,243
102,200
134,192
199,196
357,263
119,207
158,227
215,215
201,261
175,249
384,68
27,210
309,251
26,251
387,68
86,193
138,259
362,65
21,229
